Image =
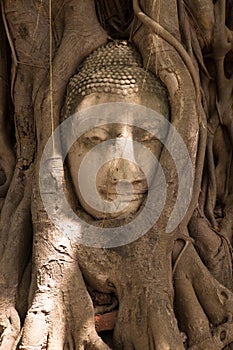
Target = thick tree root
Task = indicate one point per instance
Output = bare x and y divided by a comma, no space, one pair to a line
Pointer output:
15,231
7,158
213,249
211,302
46,327
144,321
55,322
9,327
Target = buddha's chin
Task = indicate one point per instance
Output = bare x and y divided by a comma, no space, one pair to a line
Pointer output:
130,210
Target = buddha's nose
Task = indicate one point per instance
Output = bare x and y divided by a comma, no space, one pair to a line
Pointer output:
125,168
126,173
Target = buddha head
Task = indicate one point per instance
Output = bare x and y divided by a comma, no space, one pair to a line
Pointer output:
111,74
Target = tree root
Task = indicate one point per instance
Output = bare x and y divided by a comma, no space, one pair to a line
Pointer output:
220,338
71,305
7,157
15,239
9,327
222,153
227,222
145,319
213,249
164,34
211,302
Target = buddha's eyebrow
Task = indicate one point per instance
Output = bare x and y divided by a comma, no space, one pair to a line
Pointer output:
103,127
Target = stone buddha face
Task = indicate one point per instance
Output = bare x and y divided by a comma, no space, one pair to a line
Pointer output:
119,176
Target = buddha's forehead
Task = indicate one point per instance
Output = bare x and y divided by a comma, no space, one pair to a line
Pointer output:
156,102
114,117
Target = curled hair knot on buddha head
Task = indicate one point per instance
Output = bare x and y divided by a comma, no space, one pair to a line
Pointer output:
114,68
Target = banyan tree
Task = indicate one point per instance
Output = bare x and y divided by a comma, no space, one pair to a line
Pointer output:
129,101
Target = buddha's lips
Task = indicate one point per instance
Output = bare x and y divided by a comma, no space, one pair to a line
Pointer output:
107,191
131,195
125,193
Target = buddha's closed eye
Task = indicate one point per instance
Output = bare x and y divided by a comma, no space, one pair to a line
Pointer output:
95,136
